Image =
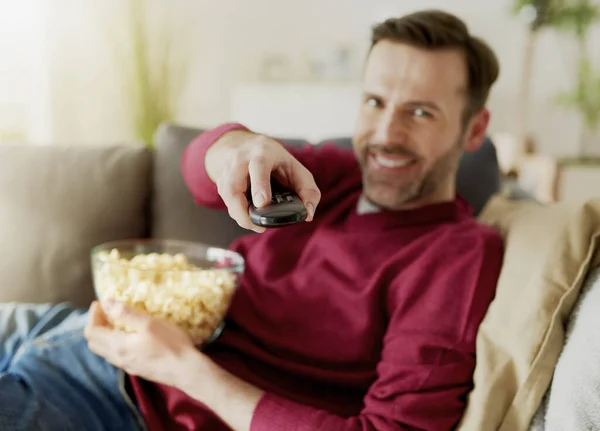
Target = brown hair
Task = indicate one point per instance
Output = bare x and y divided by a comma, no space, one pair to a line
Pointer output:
437,30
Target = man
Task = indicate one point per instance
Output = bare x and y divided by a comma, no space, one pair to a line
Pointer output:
363,318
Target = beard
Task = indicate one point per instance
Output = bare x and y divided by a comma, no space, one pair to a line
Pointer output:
392,190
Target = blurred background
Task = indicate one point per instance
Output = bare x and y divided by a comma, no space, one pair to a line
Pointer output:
97,72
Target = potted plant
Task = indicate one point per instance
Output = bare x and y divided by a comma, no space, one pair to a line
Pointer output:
575,17
536,14
584,96
575,177
155,76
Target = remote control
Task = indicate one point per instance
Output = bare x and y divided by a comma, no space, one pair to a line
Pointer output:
285,208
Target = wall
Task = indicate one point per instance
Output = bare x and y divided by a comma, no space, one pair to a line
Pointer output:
80,98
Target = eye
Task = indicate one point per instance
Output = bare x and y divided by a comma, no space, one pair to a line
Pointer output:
420,112
374,102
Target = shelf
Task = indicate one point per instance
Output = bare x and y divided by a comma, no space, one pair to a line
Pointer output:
307,110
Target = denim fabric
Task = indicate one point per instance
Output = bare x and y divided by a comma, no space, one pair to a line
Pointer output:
51,381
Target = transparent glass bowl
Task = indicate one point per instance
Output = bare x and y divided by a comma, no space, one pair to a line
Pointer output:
187,283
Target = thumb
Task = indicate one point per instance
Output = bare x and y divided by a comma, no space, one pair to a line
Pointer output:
310,198
97,315
125,314
307,190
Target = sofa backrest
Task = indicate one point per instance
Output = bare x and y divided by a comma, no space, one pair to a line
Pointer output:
175,215
56,203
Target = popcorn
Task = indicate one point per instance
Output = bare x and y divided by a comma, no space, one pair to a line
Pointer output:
168,287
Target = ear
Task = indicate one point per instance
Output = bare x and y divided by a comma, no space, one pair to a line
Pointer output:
477,130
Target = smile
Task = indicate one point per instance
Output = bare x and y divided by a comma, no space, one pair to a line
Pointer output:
389,161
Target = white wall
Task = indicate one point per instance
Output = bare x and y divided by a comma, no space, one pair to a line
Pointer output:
16,47
78,85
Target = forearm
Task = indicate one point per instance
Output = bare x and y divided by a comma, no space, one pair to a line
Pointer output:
194,167
229,397
219,153
243,406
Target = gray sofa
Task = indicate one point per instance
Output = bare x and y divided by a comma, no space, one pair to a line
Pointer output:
56,203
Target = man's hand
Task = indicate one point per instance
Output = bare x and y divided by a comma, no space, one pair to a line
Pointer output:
156,350
160,352
240,160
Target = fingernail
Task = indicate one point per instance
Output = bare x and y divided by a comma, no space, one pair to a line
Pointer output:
311,210
259,198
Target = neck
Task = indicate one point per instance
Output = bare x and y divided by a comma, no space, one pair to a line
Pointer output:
365,206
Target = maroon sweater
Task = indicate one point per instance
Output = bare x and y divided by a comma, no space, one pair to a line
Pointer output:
351,322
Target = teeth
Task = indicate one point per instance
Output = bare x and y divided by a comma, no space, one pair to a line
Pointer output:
392,163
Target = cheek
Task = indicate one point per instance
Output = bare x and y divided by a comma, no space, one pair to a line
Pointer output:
434,141
362,134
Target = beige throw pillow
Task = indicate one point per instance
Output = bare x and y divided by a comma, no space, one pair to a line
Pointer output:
549,251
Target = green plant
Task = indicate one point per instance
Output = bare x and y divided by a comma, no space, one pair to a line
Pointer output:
536,12
572,16
585,96
575,17
155,76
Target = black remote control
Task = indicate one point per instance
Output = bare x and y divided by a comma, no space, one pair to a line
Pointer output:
285,208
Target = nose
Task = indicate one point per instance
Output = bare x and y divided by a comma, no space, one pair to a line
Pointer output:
390,129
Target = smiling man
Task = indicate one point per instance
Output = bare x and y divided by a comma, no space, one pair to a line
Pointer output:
364,318
422,109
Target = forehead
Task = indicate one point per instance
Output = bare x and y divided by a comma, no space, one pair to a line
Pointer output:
403,70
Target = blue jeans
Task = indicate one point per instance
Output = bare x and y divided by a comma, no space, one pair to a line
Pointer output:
51,381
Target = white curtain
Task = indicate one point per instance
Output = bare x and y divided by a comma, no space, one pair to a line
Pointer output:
67,67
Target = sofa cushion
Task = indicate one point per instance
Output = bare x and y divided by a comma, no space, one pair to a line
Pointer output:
175,215
549,251
572,401
478,176
55,205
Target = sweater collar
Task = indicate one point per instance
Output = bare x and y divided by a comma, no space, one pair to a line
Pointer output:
366,214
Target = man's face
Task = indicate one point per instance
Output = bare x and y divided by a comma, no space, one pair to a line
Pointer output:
410,131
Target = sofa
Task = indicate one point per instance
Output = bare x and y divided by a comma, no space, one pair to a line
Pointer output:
57,202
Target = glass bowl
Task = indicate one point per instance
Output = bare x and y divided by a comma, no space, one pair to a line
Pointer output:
187,283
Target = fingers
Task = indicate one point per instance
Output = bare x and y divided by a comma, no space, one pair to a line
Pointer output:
126,315
306,188
251,169
260,169
97,316
98,330
232,188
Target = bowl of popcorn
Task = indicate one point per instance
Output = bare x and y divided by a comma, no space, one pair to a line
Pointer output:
186,283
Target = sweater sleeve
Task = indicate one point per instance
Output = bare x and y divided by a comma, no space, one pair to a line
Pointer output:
204,191
423,377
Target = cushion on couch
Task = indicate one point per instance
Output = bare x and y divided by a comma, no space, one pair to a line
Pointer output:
175,215
549,251
57,203
572,402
